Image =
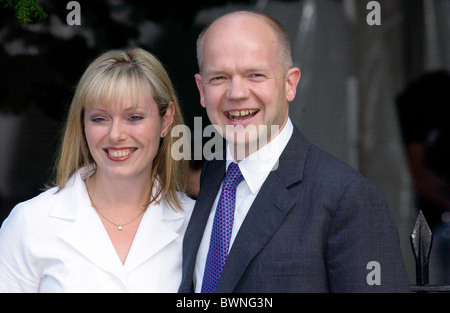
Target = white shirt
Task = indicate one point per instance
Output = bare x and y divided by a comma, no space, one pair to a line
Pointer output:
56,242
255,169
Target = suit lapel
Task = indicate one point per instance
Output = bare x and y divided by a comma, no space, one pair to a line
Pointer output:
275,198
212,176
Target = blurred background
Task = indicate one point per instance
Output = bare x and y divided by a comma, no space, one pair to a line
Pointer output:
348,102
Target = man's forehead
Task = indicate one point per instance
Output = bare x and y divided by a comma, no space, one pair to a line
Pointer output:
240,23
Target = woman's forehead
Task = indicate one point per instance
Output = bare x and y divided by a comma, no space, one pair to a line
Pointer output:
120,95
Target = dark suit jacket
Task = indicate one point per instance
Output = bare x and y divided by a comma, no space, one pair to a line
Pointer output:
314,227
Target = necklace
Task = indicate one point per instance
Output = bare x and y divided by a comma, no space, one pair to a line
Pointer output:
119,226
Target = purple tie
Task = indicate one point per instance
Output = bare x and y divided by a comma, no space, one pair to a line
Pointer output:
221,231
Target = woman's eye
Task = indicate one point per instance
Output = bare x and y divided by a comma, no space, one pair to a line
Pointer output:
135,118
97,119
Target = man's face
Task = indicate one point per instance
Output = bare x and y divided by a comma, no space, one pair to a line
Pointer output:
242,84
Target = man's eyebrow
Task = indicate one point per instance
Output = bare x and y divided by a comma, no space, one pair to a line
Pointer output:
258,69
210,72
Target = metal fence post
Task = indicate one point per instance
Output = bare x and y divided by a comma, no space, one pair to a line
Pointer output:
421,241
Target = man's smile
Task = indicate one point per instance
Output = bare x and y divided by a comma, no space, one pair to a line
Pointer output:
239,115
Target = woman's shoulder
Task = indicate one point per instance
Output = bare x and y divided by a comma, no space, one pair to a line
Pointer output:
185,199
38,204
40,207
28,216
186,202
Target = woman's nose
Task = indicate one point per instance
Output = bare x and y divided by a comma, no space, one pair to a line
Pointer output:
117,131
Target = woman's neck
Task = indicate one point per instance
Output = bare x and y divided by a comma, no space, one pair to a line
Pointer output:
119,195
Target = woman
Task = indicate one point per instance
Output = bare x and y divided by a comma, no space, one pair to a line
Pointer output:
116,218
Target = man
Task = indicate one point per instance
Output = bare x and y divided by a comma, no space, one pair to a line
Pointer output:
303,221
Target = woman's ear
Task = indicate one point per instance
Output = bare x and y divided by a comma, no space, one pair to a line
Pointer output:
168,119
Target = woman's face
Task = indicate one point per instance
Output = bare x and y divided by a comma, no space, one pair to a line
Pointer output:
124,138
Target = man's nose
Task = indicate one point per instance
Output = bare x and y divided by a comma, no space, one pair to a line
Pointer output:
237,89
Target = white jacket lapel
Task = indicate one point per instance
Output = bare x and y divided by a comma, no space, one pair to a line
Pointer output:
159,227
86,234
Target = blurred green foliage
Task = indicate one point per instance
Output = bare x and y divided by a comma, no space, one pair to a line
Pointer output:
26,11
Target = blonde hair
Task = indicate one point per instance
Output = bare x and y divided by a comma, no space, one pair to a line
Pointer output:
104,81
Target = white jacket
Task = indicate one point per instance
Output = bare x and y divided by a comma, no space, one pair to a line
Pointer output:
56,242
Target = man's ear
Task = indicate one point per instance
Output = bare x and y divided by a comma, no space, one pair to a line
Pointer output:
198,81
292,79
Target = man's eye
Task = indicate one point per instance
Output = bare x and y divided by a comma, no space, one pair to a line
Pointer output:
217,78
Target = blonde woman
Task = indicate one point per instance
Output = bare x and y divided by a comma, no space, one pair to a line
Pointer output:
115,220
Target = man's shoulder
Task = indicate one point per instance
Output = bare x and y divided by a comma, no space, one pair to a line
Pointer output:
322,165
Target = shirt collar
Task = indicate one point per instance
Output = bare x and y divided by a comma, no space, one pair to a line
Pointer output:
257,166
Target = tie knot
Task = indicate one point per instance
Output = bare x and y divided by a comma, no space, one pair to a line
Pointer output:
233,177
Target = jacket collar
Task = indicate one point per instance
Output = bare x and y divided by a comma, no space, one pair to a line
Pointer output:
160,225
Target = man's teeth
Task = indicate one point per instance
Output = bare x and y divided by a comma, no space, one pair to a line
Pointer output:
241,113
119,153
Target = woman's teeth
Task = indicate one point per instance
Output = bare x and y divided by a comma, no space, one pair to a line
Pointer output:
119,153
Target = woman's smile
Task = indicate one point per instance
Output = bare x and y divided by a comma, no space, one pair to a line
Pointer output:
119,154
